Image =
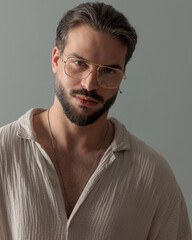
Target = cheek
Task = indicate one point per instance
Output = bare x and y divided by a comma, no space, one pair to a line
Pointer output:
112,92
64,80
109,93
71,83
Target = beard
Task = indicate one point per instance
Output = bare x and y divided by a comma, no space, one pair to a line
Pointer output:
82,119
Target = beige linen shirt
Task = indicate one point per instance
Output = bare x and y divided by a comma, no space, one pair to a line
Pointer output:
132,195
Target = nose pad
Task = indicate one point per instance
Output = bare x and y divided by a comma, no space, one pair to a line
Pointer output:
90,82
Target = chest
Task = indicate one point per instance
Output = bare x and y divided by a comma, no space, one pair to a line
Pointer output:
111,204
74,171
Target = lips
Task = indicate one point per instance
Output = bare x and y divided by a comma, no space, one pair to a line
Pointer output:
86,101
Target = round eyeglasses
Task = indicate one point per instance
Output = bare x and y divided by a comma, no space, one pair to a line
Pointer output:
107,77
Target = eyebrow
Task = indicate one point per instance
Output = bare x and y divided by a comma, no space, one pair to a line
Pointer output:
117,66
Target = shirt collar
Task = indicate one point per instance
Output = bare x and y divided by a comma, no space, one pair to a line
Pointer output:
121,141
26,130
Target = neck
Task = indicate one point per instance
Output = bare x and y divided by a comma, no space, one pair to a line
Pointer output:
75,138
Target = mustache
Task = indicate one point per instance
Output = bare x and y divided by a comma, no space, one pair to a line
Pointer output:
86,93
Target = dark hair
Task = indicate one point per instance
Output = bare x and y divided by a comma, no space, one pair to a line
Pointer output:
100,17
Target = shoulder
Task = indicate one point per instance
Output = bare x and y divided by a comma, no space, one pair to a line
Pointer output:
126,142
153,165
8,142
16,135
149,177
149,159
149,168
13,135
16,145
22,128
8,134
143,153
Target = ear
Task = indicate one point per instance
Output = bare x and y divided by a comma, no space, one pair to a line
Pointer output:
124,69
55,59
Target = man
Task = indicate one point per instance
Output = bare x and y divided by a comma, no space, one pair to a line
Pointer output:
70,172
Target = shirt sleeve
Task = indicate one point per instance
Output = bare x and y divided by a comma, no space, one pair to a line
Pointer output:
184,231
171,221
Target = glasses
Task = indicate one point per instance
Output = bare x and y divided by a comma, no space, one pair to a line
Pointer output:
79,68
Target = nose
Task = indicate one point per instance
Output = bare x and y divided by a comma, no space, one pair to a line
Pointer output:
90,82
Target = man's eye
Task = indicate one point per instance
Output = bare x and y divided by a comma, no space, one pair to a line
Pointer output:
108,71
80,63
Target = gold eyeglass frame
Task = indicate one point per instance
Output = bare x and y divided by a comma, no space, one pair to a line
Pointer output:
98,66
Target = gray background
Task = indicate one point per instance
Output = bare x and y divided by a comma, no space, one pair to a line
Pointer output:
156,104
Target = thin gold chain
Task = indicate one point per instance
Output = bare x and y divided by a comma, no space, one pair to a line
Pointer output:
53,143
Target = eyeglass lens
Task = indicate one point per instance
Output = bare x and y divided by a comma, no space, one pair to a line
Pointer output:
107,77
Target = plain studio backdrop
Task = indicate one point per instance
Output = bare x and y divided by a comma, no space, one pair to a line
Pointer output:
156,103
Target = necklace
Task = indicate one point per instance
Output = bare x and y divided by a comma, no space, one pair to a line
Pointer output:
53,143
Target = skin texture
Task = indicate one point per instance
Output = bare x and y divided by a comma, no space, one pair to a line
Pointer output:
85,103
78,145
65,86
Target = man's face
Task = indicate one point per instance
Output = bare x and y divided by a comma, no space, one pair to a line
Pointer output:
84,100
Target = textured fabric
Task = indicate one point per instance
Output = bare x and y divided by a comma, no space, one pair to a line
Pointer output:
132,195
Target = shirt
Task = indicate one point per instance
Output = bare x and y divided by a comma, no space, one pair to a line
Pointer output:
132,195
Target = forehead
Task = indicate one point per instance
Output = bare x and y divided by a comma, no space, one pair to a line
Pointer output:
96,46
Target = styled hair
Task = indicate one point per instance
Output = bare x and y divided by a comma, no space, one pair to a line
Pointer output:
101,17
